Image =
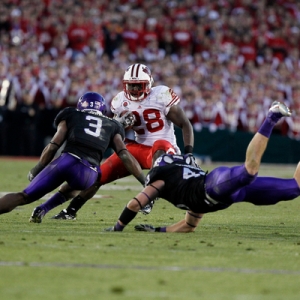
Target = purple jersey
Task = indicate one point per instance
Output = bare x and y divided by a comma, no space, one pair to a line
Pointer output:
89,135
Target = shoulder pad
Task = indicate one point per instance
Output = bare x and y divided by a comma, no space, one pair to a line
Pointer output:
166,95
63,114
116,102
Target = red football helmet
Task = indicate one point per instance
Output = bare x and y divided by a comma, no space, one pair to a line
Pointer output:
137,82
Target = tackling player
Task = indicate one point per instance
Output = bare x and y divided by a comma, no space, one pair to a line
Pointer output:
151,112
177,179
87,133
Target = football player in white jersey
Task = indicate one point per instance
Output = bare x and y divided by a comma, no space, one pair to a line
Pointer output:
151,112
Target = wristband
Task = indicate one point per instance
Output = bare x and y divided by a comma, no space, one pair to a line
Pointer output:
188,149
160,229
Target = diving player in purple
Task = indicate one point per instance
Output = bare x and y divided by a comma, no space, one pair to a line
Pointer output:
87,133
178,180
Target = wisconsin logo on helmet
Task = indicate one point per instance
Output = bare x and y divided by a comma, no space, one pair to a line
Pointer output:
146,70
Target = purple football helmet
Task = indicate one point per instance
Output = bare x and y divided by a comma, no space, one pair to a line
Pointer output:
92,102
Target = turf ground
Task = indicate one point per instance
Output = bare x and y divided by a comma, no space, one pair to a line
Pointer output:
242,253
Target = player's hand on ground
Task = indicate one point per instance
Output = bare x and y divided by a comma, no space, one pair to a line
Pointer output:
110,229
145,227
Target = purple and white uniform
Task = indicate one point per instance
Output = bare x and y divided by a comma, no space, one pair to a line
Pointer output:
89,135
190,188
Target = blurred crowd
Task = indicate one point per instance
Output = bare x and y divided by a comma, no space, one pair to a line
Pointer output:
228,60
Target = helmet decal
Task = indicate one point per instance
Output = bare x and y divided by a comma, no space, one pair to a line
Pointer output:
84,104
146,70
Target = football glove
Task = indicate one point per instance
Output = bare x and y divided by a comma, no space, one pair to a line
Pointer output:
127,119
192,160
146,227
146,210
30,176
34,171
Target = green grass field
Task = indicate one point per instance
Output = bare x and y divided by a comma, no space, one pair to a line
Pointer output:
242,253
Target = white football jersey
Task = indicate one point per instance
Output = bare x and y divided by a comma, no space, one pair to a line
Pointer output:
151,122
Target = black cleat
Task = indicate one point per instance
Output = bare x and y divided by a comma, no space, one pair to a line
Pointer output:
37,215
64,215
110,229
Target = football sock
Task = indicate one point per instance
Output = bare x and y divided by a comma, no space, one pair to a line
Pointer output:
119,227
267,126
76,203
55,200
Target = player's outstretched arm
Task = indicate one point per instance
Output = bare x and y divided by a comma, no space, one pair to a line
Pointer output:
148,194
50,150
189,224
179,118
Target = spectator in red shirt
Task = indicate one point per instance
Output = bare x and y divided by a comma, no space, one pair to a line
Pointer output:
151,32
182,36
79,34
46,31
278,44
247,47
133,34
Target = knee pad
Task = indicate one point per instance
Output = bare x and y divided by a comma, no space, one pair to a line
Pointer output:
26,198
163,145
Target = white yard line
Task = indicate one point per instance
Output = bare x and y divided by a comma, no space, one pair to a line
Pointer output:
147,268
107,187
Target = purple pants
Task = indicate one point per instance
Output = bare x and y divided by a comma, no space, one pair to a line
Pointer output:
79,174
231,185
